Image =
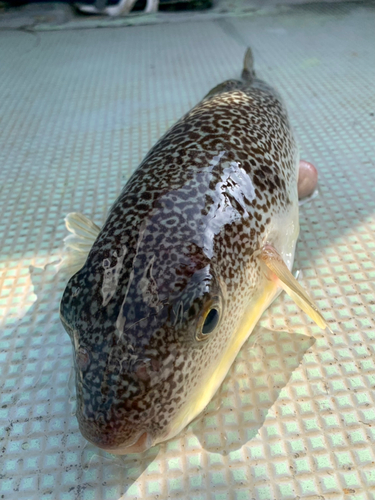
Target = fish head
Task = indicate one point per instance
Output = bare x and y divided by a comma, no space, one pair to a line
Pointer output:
144,345
164,302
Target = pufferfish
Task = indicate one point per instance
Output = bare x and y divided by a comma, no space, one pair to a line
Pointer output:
199,243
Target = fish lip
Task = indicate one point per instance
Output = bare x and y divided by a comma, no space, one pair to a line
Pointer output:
141,443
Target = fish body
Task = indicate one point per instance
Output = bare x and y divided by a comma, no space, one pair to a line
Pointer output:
175,280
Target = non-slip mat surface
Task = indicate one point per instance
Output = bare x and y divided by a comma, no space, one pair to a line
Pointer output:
79,109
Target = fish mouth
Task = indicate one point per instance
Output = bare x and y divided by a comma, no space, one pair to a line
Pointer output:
142,442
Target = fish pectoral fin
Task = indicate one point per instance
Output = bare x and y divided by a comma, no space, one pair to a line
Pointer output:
78,244
272,259
82,226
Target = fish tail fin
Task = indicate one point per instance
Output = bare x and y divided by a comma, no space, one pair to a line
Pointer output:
248,73
77,245
287,281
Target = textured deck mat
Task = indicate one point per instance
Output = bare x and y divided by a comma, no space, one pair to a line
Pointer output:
295,418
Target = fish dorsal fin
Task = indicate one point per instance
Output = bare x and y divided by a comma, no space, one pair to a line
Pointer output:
78,244
287,281
248,73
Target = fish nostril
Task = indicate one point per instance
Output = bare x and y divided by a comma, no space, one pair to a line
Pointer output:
100,419
142,372
155,363
82,358
146,369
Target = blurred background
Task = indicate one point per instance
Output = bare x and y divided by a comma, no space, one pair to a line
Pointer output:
18,13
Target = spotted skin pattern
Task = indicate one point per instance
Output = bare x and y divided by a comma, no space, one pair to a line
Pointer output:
181,239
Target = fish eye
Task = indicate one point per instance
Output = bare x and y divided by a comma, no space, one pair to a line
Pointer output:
210,320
